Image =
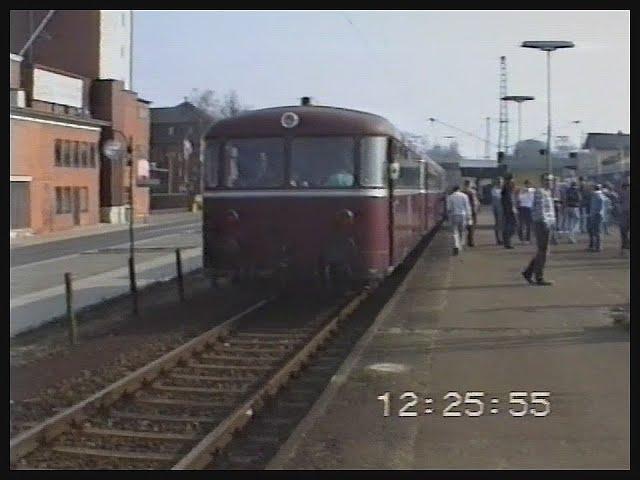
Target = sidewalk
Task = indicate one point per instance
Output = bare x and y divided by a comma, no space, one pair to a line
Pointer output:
472,324
155,218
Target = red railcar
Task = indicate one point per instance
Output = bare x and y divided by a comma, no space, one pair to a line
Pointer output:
309,188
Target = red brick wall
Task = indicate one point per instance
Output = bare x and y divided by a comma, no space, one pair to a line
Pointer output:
32,154
111,102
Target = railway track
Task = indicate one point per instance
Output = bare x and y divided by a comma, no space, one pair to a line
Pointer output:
181,409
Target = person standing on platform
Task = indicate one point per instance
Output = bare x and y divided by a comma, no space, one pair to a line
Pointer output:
508,212
597,205
584,206
459,215
573,201
555,193
525,202
544,219
470,192
611,209
496,205
623,216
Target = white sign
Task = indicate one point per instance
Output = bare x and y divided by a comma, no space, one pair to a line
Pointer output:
55,88
143,170
187,148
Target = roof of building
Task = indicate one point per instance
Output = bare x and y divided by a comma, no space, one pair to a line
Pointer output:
182,113
608,141
478,163
28,112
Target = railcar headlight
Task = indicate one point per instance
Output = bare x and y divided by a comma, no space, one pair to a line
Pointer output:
345,217
231,217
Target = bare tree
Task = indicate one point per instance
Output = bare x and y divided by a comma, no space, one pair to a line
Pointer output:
231,105
208,101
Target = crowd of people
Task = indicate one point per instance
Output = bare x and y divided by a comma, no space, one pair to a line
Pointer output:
550,211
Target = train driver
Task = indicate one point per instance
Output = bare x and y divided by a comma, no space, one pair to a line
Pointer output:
341,177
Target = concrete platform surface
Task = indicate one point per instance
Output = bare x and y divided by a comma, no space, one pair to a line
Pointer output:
472,324
37,292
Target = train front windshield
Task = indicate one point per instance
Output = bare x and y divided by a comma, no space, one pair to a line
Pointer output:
315,162
322,162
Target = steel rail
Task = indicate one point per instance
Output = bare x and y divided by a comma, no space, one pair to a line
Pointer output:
45,431
202,454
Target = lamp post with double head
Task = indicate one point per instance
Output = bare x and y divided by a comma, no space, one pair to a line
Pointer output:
548,46
116,149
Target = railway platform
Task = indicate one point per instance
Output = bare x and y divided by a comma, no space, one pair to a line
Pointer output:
468,341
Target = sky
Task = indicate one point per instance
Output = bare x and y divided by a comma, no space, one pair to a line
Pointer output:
407,66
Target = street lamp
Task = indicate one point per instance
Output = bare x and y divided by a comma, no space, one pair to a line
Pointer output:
114,149
451,138
519,99
548,46
577,123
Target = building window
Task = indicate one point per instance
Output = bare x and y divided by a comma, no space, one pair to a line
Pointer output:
66,197
58,199
84,154
66,153
84,199
76,154
57,152
93,153
63,200
171,130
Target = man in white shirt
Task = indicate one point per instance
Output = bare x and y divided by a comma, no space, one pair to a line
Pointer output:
525,202
459,215
544,220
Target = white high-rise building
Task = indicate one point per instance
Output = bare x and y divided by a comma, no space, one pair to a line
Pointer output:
116,28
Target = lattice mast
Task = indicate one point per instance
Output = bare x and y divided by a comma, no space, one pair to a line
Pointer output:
503,129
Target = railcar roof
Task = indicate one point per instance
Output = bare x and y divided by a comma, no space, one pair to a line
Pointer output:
314,120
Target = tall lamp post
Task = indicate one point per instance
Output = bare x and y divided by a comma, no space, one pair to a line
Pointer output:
115,149
548,46
578,123
519,99
451,138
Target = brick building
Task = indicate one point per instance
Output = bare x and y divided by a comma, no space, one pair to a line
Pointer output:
70,74
178,170
176,155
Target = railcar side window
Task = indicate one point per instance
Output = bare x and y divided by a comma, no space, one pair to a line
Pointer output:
409,176
373,161
212,154
322,162
254,163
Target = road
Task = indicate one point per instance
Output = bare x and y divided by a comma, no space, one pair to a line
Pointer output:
54,250
99,265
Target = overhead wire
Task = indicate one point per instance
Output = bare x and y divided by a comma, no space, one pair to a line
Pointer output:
431,119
